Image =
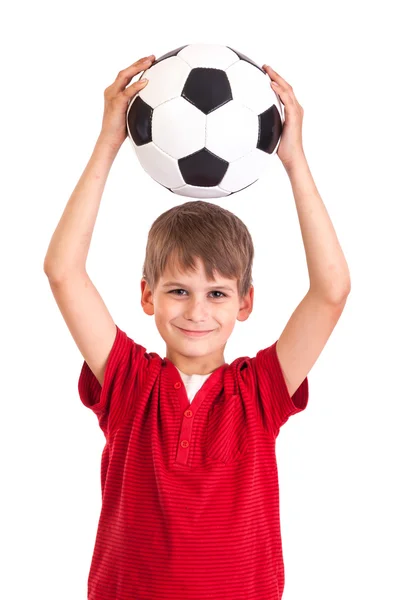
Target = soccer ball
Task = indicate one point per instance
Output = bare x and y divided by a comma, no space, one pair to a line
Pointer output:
207,122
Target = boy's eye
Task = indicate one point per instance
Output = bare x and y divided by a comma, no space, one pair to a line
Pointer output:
213,292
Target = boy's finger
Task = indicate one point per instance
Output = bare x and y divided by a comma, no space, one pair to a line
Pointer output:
276,76
136,87
144,59
136,67
124,76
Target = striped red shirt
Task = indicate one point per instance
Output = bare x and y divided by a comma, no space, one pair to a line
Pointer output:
190,496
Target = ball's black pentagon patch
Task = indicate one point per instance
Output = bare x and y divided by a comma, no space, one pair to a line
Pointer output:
203,168
139,121
169,54
269,129
207,89
243,57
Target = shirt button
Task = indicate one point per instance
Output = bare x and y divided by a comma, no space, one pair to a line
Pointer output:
188,413
184,443
177,385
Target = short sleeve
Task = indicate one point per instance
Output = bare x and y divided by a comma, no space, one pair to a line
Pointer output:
126,369
275,403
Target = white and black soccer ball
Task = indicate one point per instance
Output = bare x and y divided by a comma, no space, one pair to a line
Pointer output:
207,122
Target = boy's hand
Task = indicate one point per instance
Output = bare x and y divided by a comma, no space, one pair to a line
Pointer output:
117,98
291,143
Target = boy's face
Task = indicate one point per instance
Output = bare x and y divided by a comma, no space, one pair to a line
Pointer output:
189,301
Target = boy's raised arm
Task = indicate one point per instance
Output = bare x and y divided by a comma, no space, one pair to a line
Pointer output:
69,245
81,305
84,312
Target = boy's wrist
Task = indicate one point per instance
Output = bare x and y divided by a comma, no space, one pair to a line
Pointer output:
298,161
108,141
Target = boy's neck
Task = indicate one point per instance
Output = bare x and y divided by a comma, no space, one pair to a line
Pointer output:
198,365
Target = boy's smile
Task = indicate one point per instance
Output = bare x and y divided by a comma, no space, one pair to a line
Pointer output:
195,332
195,317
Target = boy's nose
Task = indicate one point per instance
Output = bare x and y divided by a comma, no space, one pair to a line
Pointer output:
197,311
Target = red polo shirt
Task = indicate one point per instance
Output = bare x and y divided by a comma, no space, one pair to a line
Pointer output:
190,497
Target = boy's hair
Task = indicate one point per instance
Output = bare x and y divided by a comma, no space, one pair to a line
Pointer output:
204,230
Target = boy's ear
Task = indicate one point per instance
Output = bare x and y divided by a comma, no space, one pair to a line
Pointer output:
147,297
246,305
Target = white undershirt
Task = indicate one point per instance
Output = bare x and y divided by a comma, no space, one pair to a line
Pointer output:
193,383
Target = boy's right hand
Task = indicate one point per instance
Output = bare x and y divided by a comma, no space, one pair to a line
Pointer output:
116,101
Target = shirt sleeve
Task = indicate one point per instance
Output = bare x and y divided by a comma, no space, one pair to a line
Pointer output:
274,402
126,369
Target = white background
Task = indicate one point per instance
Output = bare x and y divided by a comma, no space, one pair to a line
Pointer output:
338,460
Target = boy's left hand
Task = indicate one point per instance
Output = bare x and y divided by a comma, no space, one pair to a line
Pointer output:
291,143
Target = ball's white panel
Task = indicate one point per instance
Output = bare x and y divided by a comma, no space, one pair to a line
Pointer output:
245,170
251,87
200,192
212,56
166,81
178,128
160,166
279,106
232,131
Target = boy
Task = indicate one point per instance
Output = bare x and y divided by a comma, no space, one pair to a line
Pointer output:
190,499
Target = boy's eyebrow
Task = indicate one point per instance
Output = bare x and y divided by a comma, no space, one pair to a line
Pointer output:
213,287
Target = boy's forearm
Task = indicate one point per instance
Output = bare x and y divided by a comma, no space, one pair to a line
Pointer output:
69,245
327,267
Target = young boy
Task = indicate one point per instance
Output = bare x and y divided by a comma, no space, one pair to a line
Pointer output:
190,497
